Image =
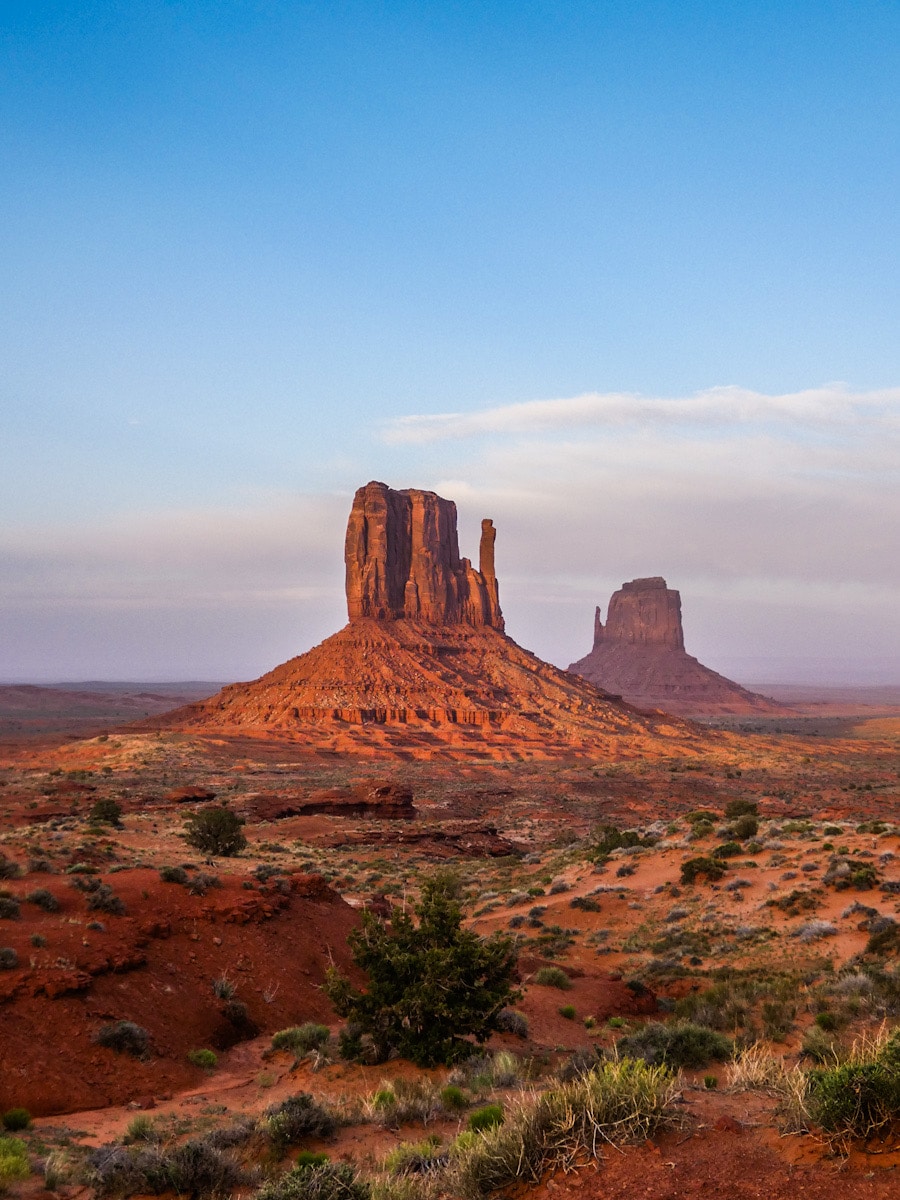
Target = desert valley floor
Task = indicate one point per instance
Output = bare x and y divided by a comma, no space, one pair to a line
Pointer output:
791,953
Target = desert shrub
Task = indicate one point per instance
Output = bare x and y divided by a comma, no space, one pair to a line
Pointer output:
215,830
582,1062
8,958
740,808
743,828
553,977
727,850
828,1021
141,1129
174,875
510,1021
15,1119
301,1039
115,1170
430,984
818,1046
125,1037
676,1046
701,815
505,1069
811,931
486,1117
568,1011
195,1168
415,1158
203,1058
701,829
107,811
100,896
693,868
14,1162
8,868
297,1118
859,1098
201,882
224,988
44,899
317,1181
104,899
453,1098
616,1102
610,837
584,903
863,877
9,908
406,1100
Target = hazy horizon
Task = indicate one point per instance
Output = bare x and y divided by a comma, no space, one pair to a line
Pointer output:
623,278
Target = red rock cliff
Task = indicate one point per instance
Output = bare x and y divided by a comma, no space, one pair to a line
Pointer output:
402,559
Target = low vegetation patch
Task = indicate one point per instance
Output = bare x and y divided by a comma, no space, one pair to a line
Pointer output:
677,1045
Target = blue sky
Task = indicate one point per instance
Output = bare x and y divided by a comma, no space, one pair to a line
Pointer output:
251,252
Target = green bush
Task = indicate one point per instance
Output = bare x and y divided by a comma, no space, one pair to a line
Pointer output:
453,1098
15,1119
141,1129
486,1117
125,1037
740,808
431,984
174,875
415,1158
858,1099
107,812
676,1046
301,1039
297,1118
553,977
695,867
9,908
44,899
13,1161
8,868
610,837
203,1058
568,1011
215,831
744,828
727,850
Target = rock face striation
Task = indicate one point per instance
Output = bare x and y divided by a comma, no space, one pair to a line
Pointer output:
402,558
424,666
639,654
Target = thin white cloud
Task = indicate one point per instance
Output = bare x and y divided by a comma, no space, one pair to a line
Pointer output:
834,406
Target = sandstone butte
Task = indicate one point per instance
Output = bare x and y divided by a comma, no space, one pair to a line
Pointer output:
424,666
639,654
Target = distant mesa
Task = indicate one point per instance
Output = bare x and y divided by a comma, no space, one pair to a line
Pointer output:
424,665
639,654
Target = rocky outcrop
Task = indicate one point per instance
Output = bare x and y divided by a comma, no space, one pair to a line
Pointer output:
402,559
639,654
